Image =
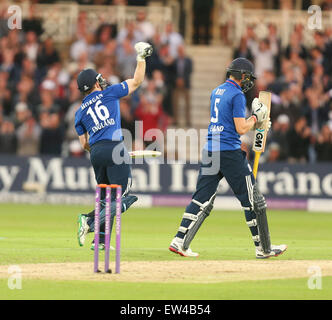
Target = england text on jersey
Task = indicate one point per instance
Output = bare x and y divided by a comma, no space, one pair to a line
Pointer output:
107,122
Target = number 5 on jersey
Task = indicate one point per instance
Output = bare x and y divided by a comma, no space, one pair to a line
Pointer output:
216,111
101,111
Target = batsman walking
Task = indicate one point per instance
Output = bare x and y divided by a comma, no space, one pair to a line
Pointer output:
222,157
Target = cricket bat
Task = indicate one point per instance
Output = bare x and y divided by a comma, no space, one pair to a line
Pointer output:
261,132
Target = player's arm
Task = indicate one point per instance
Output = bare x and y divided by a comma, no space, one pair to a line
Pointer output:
259,114
84,140
139,75
143,50
243,125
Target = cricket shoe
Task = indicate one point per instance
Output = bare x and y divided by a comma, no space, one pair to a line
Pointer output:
176,246
83,229
275,251
101,247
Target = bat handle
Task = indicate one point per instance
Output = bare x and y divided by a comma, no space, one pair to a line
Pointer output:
256,161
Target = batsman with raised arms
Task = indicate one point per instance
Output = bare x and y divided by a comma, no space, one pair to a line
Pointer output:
98,125
222,157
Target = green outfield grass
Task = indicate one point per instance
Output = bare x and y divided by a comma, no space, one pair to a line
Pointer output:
47,233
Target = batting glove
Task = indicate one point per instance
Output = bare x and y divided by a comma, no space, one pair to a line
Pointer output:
257,125
143,50
259,110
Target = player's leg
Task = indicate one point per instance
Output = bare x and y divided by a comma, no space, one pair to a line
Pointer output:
86,221
238,174
197,211
107,172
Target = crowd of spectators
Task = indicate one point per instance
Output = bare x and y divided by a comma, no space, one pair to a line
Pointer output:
39,95
300,79
38,90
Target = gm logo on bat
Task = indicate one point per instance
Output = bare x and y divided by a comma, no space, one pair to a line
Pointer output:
259,138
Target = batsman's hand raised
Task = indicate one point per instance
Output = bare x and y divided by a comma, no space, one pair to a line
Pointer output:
143,50
259,110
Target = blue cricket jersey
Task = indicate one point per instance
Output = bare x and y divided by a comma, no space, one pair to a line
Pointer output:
99,114
227,102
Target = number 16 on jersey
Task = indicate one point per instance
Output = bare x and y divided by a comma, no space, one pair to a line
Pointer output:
101,112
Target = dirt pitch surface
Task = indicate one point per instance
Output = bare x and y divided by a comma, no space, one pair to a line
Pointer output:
187,271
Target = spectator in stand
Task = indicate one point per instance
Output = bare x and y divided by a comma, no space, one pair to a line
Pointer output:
320,40
273,152
315,111
145,27
264,56
74,102
243,51
14,41
295,46
29,69
4,15
5,94
130,32
328,52
184,68
81,63
8,65
172,38
28,137
154,62
169,71
22,112
48,54
267,82
226,20
8,141
279,135
251,37
103,35
276,41
283,105
150,112
27,92
50,122
126,59
31,46
127,123
299,141
323,146
158,78
79,47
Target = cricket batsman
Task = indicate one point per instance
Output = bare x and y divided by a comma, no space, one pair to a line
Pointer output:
222,157
98,125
